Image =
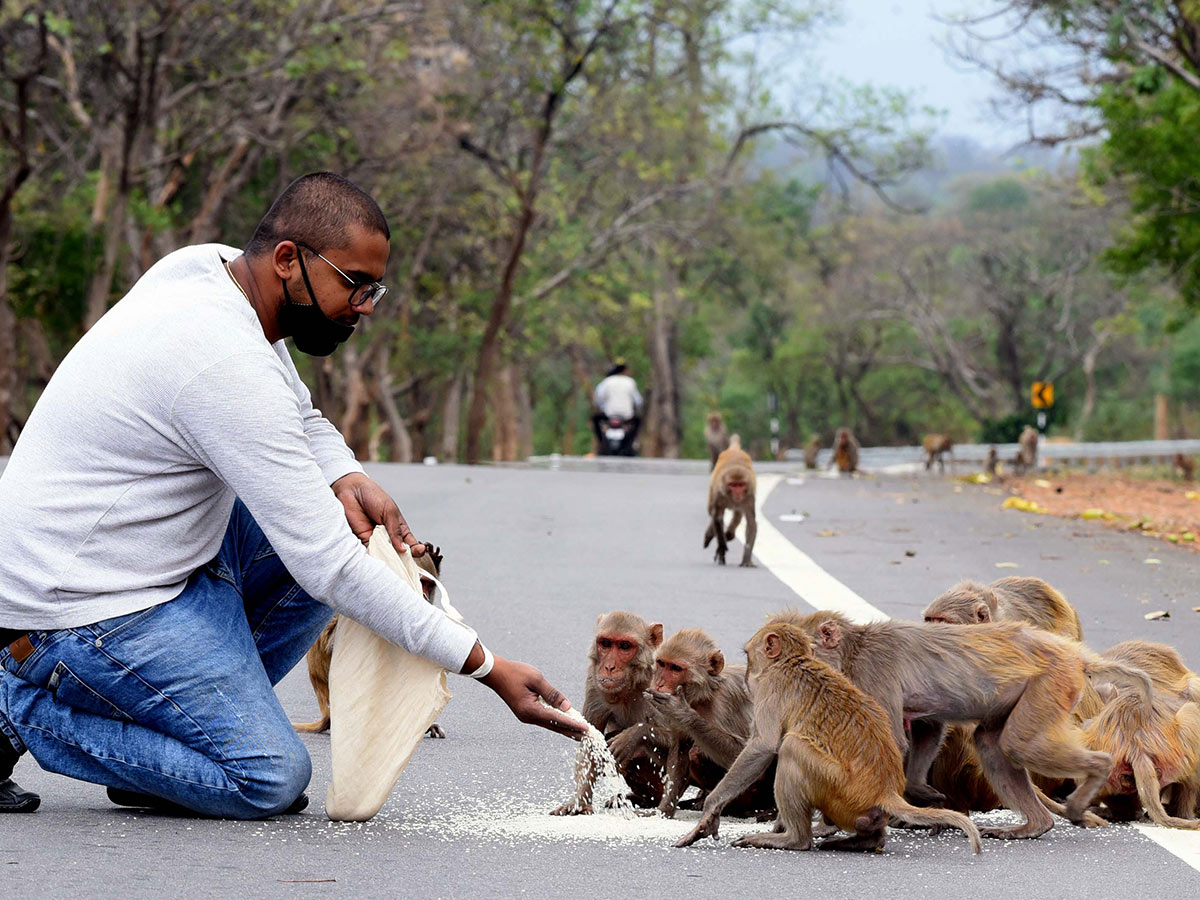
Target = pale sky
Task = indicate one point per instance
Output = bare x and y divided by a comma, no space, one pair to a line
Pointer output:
894,43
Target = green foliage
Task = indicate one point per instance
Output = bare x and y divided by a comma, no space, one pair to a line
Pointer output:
57,254
1004,195
1184,372
1151,147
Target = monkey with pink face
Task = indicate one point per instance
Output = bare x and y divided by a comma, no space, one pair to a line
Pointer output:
732,487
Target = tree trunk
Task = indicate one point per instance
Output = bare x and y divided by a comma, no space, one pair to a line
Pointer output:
109,213
9,386
325,389
9,382
504,434
401,440
1089,395
579,386
524,421
1162,419
489,347
665,419
100,289
355,420
451,416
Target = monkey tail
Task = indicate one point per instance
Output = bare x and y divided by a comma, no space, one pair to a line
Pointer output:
1094,666
322,724
1150,791
915,815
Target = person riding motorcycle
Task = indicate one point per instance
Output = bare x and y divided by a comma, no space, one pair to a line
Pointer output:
617,397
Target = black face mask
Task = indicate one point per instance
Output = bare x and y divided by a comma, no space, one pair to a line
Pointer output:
312,331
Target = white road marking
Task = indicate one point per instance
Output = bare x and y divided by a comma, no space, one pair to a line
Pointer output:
797,570
1184,844
820,590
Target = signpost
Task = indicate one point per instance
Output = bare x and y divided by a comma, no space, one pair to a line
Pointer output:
1043,394
773,408
1043,399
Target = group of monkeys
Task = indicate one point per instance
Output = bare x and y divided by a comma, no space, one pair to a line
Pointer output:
993,701
845,445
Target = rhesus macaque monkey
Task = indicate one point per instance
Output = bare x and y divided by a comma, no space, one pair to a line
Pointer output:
1014,599
1027,454
1153,744
992,461
811,451
1017,683
732,486
705,704
717,438
1186,466
845,451
956,772
936,446
320,654
620,669
834,754
1163,664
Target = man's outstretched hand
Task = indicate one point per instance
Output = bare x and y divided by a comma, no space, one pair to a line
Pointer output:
368,505
522,687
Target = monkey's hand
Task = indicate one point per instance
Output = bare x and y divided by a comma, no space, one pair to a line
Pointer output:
708,826
626,745
368,505
532,699
672,706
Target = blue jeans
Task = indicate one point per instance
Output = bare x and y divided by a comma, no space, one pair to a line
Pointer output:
176,700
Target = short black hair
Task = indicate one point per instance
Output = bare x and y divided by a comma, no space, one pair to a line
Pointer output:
317,209
617,369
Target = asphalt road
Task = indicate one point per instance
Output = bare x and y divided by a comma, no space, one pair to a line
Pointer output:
532,557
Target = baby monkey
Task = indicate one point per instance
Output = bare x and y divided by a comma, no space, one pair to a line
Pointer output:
835,754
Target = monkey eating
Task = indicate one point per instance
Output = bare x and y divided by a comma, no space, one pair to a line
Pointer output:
833,750
1018,684
1163,664
620,669
1154,744
716,437
956,771
706,708
1013,599
321,653
936,446
732,486
845,451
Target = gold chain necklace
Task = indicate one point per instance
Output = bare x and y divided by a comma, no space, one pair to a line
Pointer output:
238,284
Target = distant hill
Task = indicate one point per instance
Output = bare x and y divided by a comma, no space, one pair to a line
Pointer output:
953,158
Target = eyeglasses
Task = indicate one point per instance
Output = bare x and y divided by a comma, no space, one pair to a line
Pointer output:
361,293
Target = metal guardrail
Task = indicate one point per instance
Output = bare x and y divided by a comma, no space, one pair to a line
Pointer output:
891,459
1093,453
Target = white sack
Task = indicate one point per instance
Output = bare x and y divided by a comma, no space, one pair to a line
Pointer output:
381,701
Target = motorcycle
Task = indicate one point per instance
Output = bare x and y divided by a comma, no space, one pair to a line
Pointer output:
615,438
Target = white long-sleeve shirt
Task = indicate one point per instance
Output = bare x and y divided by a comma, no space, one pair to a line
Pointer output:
123,480
617,395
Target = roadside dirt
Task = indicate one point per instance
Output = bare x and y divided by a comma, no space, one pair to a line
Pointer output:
1167,510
